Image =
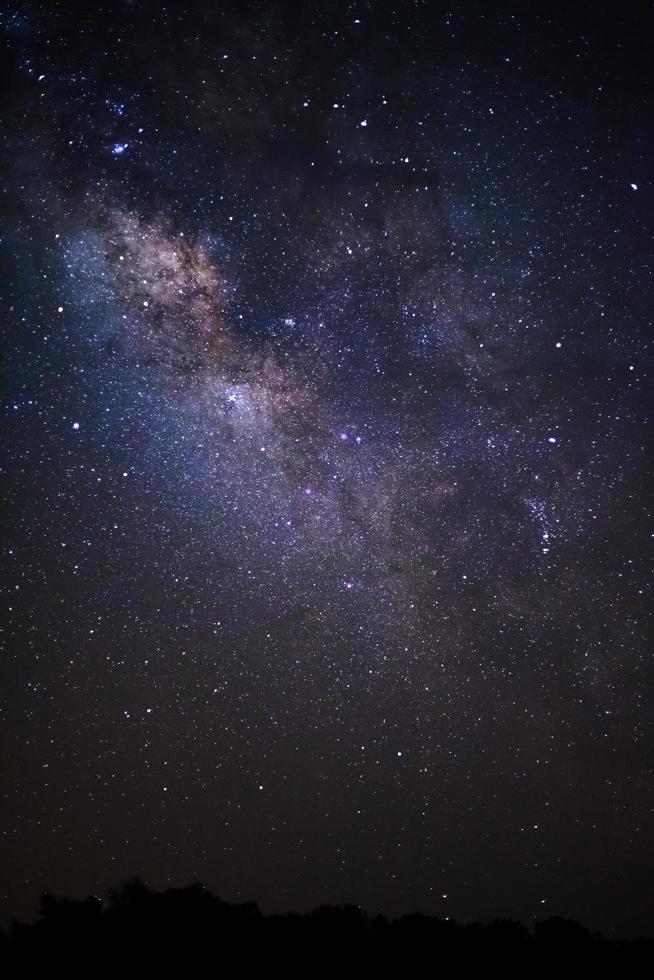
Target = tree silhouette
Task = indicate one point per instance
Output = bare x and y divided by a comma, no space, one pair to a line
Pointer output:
189,932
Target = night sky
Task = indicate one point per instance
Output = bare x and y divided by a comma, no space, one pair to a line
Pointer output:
326,381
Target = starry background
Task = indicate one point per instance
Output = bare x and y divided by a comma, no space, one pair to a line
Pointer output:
326,385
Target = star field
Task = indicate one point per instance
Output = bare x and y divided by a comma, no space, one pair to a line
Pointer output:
326,397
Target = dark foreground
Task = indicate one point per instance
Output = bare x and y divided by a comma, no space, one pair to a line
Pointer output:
188,932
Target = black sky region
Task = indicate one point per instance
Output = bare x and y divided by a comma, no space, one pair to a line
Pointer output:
327,549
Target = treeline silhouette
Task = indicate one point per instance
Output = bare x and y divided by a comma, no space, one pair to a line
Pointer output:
188,932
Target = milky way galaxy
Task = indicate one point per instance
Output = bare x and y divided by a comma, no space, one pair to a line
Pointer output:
327,561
